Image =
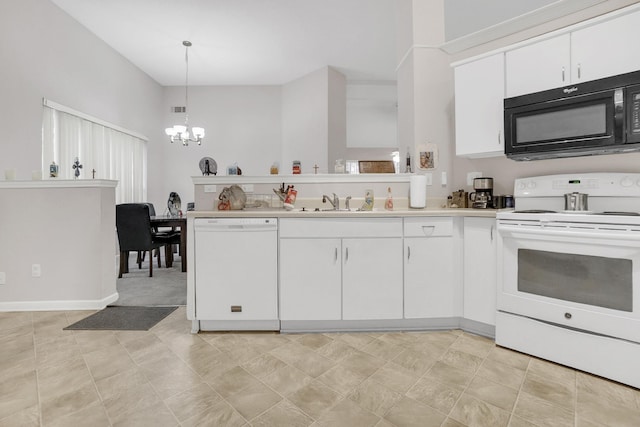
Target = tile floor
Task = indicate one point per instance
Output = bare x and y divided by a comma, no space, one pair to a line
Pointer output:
169,377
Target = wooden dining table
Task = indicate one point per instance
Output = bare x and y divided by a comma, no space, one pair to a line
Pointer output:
179,222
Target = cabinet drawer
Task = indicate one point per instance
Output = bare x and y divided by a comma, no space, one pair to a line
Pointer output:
340,227
427,227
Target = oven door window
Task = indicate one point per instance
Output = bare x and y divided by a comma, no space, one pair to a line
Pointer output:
586,279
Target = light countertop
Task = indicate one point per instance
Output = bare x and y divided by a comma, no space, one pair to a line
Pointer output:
298,213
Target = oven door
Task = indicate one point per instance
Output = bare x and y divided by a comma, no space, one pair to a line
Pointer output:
577,278
569,126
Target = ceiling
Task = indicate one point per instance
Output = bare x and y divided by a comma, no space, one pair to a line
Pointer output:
245,42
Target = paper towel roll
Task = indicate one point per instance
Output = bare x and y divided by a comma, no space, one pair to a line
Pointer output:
418,191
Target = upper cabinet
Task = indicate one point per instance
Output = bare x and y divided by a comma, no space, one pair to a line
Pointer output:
606,49
479,92
539,66
597,51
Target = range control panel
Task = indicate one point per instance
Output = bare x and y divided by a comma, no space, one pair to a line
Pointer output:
594,184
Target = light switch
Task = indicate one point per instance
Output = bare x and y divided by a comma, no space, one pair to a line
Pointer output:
429,177
443,178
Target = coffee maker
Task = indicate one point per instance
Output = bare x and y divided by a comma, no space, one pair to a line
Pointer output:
482,197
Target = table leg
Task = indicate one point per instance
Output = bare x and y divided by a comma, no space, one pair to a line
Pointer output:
183,248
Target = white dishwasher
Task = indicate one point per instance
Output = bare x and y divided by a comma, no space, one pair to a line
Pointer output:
236,273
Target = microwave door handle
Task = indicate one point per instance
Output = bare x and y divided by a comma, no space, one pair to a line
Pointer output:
618,117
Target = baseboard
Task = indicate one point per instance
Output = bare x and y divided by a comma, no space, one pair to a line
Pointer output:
58,305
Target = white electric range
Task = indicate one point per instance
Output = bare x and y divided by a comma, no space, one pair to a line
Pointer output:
569,281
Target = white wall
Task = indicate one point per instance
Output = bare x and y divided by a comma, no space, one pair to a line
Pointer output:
45,53
243,124
372,115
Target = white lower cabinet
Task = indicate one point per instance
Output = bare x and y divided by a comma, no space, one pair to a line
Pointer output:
340,269
372,278
430,285
310,279
480,252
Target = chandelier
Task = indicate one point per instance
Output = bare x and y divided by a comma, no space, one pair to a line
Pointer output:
181,133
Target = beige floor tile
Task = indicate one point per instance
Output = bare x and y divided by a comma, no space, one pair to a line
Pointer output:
263,365
382,350
435,394
146,348
501,373
287,380
357,340
108,362
282,414
28,417
157,415
16,365
291,352
18,392
14,319
347,414
491,392
516,421
229,341
56,351
253,400
93,415
415,362
554,392
375,397
129,400
243,354
90,341
336,350
220,414
395,377
552,371
541,412
429,350
384,423
19,330
470,344
411,413
210,365
450,422
362,363
115,385
66,404
462,360
314,399
448,375
193,401
509,357
591,388
476,413
314,364
170,383
341,379
314,341
232,381
62,378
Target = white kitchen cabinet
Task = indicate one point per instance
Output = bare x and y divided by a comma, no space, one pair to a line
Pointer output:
479,105
340,269
606,49
372,278
310,281
538,66
480,252
430,288
593,52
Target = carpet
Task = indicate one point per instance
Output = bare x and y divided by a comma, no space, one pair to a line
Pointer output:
120,318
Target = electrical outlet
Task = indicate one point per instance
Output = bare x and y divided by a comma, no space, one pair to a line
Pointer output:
429,177
471,176
36,271
248,188
3,278
209,188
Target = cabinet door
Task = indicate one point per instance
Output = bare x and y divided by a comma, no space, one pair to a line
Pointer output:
428,278
480,245
372,278
479,92
310,274
539,66
606,49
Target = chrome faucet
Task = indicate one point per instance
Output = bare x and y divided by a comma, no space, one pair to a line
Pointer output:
346,202
335,202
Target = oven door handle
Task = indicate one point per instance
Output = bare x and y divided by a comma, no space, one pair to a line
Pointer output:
567,233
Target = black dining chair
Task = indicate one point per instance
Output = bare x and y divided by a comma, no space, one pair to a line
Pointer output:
135,233
165,233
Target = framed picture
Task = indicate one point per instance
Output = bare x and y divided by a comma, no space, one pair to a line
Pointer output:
427,156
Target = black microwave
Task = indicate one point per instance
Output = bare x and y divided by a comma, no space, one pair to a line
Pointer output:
596,117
